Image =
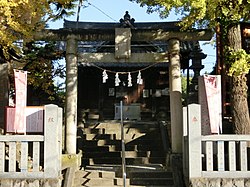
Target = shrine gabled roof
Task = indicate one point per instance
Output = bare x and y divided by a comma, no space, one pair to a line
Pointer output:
167,26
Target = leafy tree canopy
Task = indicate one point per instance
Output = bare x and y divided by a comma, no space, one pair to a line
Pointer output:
19,19
200,13
207,14
42,62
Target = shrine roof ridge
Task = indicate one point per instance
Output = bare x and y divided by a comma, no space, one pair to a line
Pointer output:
170,26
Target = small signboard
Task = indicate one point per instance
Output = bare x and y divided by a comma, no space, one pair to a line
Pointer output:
34,120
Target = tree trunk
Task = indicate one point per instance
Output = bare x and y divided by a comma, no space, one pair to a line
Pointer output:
239,104
4,93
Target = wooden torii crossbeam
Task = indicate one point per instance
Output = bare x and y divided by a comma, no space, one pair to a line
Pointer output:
137,35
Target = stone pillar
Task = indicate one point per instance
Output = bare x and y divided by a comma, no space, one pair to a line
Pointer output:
3,93
175,96
71,94
52,142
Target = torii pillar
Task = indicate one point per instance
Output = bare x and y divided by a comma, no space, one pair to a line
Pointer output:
71,94
175,95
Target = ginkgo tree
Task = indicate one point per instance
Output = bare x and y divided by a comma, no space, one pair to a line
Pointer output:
208,14
20,19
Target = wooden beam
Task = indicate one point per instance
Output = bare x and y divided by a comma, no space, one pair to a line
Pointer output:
71,160
137,35
161,35
135,57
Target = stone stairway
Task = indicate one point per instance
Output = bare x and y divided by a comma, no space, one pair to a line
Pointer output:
97,178
100,143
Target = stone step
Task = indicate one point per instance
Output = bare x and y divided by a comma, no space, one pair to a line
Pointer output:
135,124
99,137
101,142
141,175
103,167
152,185
146,140
94,131
95,174
117,130
129,168
128,147
100,182
152,181
138,168
128,154
145,157
138,141
151,174
97,178
133,186
118,127
129,161
116,136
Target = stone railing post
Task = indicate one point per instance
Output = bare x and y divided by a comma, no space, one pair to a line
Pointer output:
194,140
52,141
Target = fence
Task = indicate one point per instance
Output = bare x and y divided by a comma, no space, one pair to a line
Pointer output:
34,156
212,156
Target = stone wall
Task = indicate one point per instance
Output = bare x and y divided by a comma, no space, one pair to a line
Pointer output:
30,183
218,182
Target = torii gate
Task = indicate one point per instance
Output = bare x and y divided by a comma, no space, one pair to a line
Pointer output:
123,38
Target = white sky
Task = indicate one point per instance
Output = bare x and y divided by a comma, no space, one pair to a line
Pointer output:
114,10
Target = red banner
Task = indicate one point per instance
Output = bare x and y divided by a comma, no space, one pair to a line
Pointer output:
20,101
210,100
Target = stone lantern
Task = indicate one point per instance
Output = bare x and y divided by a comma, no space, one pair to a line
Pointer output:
196,56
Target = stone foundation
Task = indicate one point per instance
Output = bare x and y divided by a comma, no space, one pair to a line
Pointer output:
218,182
30,183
